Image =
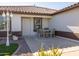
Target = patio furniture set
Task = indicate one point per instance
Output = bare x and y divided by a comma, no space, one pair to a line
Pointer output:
46,32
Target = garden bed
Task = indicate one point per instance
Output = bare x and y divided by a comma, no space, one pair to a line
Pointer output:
8,50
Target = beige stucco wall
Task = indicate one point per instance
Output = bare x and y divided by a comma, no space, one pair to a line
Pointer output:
67,21
27,27
45,22
16,23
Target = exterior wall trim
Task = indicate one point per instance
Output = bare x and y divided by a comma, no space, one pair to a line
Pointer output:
30,15
4,33
67,34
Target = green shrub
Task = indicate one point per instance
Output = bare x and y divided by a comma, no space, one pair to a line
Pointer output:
8,50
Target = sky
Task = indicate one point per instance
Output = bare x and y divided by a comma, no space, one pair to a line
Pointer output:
52,5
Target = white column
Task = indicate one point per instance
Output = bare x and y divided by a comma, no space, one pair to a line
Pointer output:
4,22
8,25
3,14
7,42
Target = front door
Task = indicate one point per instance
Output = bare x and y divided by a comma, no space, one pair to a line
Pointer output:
30,26
26,27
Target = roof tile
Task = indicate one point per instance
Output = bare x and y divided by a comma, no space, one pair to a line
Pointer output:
27,9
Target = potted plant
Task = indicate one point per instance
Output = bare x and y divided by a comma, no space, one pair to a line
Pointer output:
15,37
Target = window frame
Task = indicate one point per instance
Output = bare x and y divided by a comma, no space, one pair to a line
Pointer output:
39,21
3,21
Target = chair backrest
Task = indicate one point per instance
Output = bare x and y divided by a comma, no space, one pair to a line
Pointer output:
46,28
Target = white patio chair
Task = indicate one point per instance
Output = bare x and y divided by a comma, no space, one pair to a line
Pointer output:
52,33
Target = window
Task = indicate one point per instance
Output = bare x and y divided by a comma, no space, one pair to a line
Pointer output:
2,24
37,24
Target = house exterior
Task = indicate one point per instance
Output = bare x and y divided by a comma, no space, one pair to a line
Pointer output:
26,19
66,22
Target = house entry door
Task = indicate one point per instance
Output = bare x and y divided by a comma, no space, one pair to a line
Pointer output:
26,27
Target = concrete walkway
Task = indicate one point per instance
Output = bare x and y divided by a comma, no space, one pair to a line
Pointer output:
32,44
66,44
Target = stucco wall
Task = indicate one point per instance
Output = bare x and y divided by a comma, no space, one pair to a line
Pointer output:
45,22
67,21
16,23
27,27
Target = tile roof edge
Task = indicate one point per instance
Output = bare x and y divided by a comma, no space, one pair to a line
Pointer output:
66,8
30,6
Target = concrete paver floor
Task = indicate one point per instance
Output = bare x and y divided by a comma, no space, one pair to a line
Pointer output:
66,44
32,44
